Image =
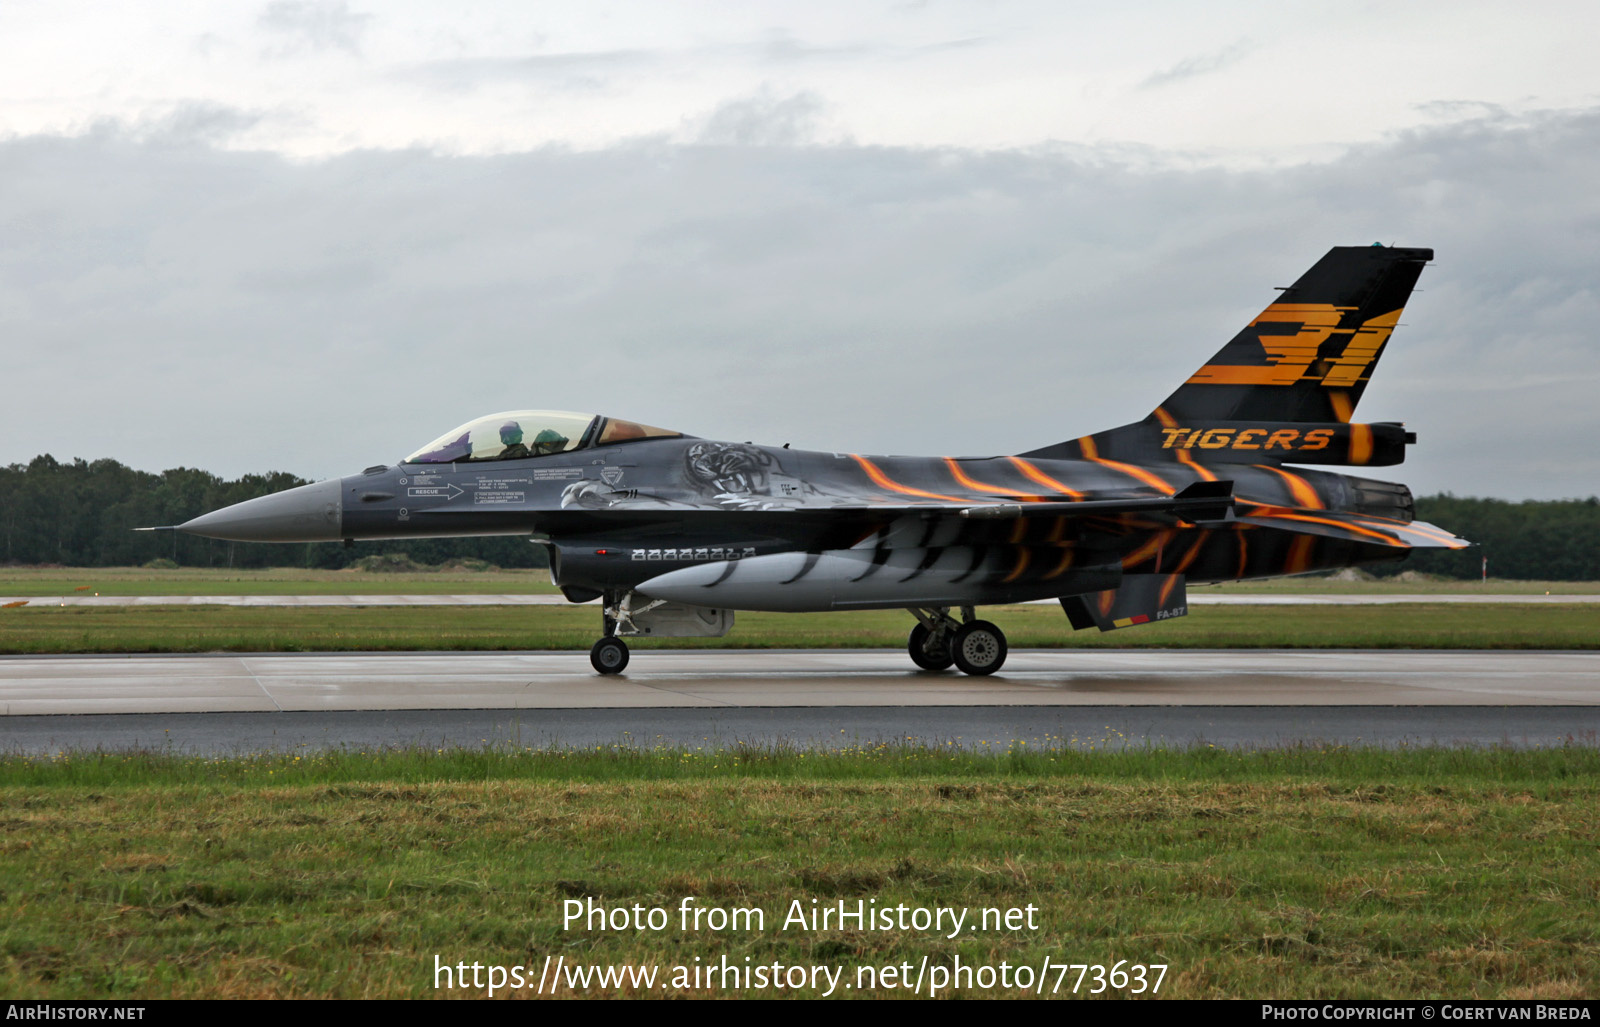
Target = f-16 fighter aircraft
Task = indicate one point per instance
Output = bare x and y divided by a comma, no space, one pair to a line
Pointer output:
673,533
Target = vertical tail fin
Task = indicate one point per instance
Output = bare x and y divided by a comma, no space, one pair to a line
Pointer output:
1285,386
1309,355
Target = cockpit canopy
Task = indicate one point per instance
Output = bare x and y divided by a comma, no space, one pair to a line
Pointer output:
520,434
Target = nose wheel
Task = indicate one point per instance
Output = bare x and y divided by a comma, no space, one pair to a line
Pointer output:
609,655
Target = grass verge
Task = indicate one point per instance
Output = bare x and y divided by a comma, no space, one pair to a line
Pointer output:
177,629
1311,872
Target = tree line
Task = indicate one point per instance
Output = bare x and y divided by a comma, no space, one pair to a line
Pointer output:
82,514
1532,540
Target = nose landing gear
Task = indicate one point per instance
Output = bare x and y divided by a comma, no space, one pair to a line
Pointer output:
939,640
609,655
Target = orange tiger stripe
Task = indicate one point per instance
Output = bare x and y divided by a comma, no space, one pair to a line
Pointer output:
1358,529
1034,474
1299,554
1186,457
1166,590
1304,493
1022,565
1146,551
1193,552
966,481
1066,561
1092,454
883,480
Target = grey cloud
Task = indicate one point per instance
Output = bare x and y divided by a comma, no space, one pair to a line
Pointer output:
316,24
1455,110
172,305
763,120
1202,64
194,122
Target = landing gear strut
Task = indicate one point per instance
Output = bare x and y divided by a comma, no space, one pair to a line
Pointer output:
610,654
939,640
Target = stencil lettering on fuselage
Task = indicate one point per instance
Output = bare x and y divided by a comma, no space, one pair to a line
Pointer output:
713,553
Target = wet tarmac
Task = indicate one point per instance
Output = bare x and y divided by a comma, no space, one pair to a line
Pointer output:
800,697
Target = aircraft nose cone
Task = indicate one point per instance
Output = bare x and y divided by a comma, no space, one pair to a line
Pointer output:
310,513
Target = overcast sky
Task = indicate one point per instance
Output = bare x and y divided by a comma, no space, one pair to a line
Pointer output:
311,236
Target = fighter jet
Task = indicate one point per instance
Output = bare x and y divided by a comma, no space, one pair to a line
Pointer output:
673,533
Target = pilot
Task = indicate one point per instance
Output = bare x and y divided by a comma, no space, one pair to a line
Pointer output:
511,439
548,441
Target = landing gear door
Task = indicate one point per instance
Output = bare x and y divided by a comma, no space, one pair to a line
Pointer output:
1141,599
680,620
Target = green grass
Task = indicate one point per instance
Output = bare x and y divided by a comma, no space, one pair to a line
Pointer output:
83,629
197,581
1299,873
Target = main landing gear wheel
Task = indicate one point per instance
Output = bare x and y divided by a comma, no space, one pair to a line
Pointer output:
917,646
609,655
978,647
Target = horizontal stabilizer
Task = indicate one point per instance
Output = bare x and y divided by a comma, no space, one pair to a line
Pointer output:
1380,531
1141,599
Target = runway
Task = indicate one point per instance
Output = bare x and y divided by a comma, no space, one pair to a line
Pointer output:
790,678
824,728
808,698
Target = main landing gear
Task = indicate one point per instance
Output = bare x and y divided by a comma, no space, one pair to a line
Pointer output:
939,640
